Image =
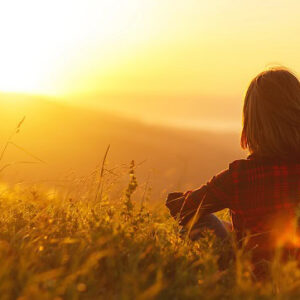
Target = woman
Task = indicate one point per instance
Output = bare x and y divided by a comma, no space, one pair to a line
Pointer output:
262,192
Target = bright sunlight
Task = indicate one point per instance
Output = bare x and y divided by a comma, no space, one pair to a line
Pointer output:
40,44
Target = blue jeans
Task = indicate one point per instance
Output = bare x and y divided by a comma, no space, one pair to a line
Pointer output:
211,222
221,229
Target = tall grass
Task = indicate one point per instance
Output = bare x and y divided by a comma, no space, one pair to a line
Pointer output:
10,142
81,244
56,247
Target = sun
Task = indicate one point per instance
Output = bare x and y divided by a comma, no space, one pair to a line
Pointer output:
21,77
43,43
30,43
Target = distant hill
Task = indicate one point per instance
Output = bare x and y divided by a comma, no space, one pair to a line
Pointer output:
73,141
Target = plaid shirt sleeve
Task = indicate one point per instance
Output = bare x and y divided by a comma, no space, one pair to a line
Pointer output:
210,197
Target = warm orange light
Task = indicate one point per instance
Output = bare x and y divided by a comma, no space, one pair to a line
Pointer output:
289,235
145,47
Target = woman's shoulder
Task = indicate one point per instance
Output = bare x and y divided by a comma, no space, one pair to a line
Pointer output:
243,162
253,161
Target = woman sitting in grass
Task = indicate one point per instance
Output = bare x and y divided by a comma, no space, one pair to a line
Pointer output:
262,192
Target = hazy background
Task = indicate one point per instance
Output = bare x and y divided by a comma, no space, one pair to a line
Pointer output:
161,81
60,145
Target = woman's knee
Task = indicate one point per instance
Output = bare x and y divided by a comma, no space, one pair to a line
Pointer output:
210,222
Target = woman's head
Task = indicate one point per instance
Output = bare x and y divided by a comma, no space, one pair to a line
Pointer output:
271,115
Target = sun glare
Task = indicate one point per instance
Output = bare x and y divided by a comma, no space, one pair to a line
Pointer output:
72,47
43,40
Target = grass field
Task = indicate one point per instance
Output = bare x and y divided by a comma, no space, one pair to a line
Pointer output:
56,247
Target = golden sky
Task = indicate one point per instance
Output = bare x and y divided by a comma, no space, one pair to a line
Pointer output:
77,49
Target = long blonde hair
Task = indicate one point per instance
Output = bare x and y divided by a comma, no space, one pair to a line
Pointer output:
271,115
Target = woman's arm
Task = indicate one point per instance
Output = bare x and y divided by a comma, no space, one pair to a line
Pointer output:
213,196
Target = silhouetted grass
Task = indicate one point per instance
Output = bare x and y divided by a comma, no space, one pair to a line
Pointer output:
54,247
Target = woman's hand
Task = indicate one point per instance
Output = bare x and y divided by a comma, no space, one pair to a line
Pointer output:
174,203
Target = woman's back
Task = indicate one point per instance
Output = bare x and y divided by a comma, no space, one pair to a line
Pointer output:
265,197
262,191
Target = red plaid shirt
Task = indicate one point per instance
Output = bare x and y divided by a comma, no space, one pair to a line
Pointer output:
262,195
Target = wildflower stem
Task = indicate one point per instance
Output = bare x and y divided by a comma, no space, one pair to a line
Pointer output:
100,185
